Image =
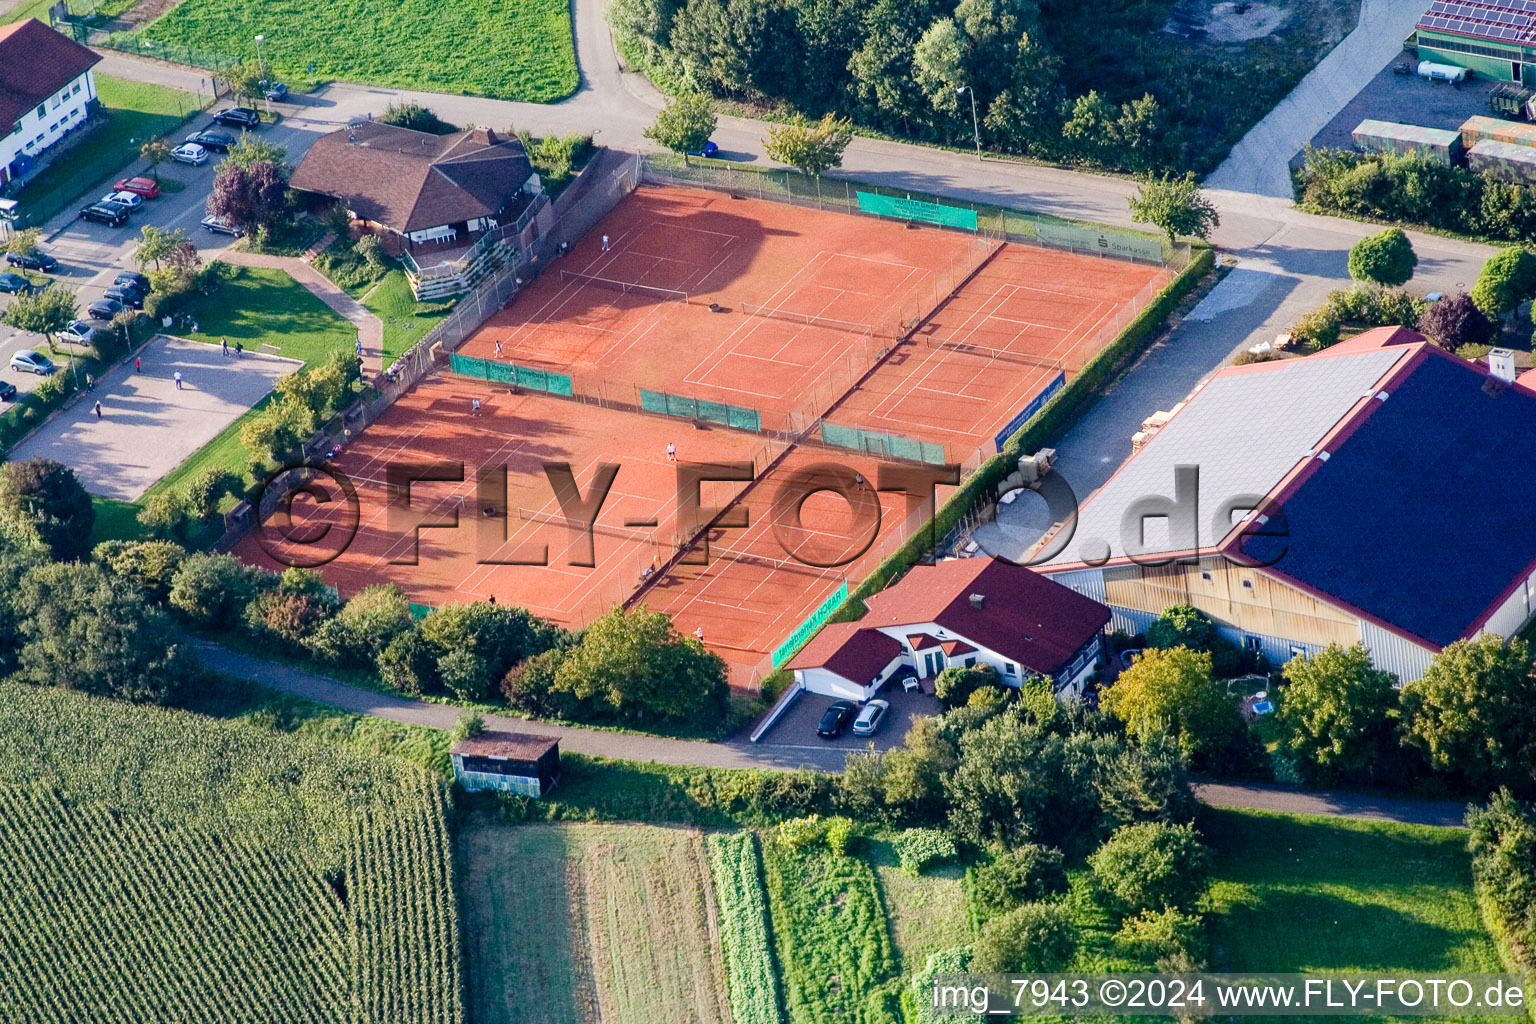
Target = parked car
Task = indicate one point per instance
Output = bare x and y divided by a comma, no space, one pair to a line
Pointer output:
124,198
133,280
210,139
710,149
105,309
34,260
223,227
190,153
246,118
32,362
149,188
80,332
15,284
275,91
106,213
7,391
835,719
871,717
127,295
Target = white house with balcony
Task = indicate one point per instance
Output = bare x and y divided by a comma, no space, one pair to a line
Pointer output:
46,91
959,612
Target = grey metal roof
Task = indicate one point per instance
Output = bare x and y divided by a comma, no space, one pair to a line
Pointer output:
1243,431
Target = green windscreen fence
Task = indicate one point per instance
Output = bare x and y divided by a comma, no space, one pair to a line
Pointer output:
508,373
699,409
806,629
420,611
916,209
891,445
1088,239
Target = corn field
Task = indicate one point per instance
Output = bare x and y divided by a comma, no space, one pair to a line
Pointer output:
157,866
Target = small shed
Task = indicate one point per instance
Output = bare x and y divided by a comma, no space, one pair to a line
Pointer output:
512,762
1505,161
1437,144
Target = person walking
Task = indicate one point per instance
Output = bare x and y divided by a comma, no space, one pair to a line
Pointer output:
225,352
98,410
178,380
474,407
498,346
359,348
90,382
671,452
605,243
239,348
138,364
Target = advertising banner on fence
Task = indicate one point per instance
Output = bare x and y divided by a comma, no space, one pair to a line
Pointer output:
803,632
915,209
1134,246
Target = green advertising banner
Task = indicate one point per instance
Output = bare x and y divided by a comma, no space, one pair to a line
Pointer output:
914,209
1134,246
782,653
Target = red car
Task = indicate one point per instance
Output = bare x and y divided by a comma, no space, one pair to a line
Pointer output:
149,188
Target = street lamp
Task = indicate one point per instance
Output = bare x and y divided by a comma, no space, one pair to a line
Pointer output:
975,124
261,64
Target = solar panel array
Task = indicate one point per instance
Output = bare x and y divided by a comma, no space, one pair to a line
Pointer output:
1507,20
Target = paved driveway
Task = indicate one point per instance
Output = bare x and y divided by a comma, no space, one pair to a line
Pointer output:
796,728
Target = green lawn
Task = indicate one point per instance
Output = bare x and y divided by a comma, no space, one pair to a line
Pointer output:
927,911
406,321
508,49
1301,893
138,111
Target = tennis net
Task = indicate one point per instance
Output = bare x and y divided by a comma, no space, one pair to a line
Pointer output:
824,322
1000,354
626,287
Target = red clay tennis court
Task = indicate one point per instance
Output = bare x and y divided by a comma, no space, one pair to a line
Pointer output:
986,353
807,301
434,422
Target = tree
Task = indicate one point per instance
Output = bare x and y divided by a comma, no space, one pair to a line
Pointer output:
156,244
1033,937
1182,625
249,197
84,630
245,81
1151,866
684,124
1176,205
1470,716
365,626
1089,129
1029,874
1455,321
24,242
1174,692
42,501
635,667
416,117
954,685
212,590
248,151
1337,713
1507,279
148,566
810,148
1383,258
465,649
45,312
938,64
156,152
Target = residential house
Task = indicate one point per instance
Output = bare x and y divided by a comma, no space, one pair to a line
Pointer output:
1373,492
959,612
447,205
508,761
46,91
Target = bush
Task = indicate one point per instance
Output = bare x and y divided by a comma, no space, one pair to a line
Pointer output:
1456,321
919,996
148,566
1384,258
841,833
212,590
1028,874
1503,845
954,685
920,848
43,502
801,833
363,628
1182,626
1153,935
1035,937
1151,866
1317,329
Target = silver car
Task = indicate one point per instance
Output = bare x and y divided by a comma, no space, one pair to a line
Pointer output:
128,199
32,362
190,153
871,717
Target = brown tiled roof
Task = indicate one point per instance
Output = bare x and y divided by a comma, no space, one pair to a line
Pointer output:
918,641
513,746
954,647
35,63
1025,617
409,180
858,655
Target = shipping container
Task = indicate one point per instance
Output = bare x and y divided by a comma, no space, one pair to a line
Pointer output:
1510,100
1438,144
1478,128
1504,160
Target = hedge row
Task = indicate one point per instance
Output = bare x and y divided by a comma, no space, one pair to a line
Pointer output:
737,870
1058,414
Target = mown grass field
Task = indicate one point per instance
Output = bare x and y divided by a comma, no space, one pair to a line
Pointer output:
160,866
576,923
406,321
508,49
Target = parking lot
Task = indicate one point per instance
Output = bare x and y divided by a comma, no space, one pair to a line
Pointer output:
1407,99
797,726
